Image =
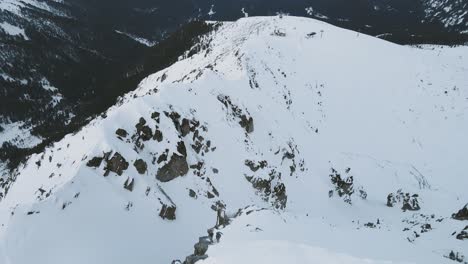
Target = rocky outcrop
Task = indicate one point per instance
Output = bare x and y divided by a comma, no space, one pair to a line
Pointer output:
463,234
177,166
462,214
276,193
168,212
140,166
144,132
247,123
255,166
116,164
408,201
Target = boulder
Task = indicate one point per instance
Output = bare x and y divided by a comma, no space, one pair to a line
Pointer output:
462,214
140,166
177,166
121,133
168,212
116,164
128,184
158,136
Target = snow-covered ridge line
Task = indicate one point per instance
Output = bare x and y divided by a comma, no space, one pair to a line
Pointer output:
331,139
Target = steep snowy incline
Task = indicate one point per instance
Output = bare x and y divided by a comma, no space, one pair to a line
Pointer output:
323,142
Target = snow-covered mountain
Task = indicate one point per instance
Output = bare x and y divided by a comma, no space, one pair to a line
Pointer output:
64,62
323,145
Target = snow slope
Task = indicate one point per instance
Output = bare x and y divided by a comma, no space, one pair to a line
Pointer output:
266,112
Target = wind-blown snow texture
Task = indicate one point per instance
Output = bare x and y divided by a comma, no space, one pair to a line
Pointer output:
337,102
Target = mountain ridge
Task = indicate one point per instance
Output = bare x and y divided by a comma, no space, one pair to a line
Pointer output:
284,119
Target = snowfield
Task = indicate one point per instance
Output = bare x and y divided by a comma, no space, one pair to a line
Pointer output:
301,129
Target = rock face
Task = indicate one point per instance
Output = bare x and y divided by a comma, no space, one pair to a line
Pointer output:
168,212
462,214
177,166
140,166
116,164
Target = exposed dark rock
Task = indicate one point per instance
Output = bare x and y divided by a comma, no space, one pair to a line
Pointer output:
192,259
344,187
144,131
192,193
410,202
95,162
462,214
128,184
255,167
155,116
177,166
277,193
463,234
456,256
162,157
116,164
174,116
185,127
210,195
197,166
140,166
197,147
121,133
158,136
181,148
168,212
247,123
215,171
391,200
201,247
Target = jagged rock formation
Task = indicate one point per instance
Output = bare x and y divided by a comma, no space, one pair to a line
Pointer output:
408,201
116,164
462,214
177,166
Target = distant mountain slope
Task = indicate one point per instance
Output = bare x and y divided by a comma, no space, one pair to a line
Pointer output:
59,59
323,143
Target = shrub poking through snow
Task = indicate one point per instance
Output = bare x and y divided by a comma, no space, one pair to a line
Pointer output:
344,186
408,201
